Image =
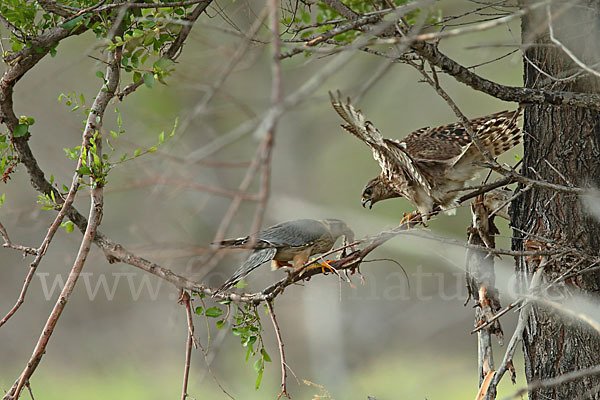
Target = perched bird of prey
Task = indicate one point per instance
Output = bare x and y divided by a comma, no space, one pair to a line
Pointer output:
291,241
430,164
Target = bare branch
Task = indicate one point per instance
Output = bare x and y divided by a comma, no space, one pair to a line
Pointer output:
185,300
342,9
510,173
7,243
508,93
281,353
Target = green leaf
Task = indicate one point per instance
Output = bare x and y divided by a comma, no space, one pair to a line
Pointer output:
221,324
69,226
259,365
137,76
137,152
174,127
30,121
152,149
265,355
161,137
199,310
72,23
213,312
2,198
149,79
97,161
241,284
163,63
84,171
250,341
258,380
21,130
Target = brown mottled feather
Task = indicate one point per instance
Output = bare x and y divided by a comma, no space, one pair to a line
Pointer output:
429,166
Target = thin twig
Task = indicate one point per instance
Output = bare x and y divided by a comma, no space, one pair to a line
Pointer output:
461,31
281,353
8,244
185,300
535,182
41,251
463,119
565,49
507,361
556,381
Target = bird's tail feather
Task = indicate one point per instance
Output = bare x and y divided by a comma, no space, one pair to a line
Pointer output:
257,258
499,132
233,242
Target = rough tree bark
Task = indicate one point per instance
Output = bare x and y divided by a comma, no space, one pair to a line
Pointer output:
560,141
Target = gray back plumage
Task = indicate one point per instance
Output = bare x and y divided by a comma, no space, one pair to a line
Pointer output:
295,233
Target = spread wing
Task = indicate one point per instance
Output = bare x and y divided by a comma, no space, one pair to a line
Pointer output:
393,158
447,144
443,144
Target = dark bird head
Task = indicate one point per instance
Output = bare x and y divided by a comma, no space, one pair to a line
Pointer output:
376,190
337,227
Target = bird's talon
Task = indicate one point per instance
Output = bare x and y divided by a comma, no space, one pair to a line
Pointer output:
324,266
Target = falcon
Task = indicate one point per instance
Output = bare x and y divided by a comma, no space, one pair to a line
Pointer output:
288,242
429,166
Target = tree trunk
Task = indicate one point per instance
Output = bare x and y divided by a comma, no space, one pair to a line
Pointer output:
561,145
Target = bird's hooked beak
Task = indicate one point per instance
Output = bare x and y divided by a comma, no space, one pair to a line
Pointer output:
365,201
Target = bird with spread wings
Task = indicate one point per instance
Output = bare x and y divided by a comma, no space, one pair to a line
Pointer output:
429,166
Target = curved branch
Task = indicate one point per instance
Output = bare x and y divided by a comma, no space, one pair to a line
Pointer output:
507,93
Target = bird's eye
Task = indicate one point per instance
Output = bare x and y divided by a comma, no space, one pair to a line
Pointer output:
368,191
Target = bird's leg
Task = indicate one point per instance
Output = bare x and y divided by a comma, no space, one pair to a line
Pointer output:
275,264
414,218
299,260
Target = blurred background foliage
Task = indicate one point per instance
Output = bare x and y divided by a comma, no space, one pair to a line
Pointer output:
379,339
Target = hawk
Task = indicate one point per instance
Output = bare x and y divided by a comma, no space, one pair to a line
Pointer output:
291,241
430,165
